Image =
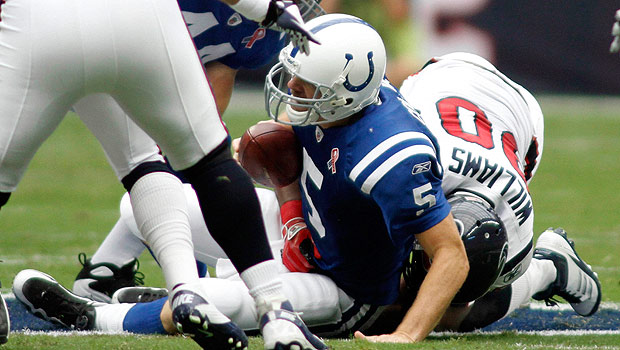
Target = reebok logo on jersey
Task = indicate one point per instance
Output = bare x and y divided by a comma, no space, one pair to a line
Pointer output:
331,163
421,167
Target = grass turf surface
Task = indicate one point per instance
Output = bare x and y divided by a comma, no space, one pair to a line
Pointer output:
69,199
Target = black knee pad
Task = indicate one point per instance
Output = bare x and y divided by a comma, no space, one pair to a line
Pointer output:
4,197
220,154
230,207
144,169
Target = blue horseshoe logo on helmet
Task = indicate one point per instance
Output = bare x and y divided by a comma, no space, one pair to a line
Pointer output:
371,67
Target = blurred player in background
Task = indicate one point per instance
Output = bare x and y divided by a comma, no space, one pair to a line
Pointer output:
615,32
57,52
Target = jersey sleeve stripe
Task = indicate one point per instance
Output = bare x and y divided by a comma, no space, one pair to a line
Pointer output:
391,162
384,146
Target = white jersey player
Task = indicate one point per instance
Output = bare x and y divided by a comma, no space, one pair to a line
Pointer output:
56,52
490,132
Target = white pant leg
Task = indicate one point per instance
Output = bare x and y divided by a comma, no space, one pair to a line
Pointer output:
175,106
36,92
52,53
316,297
126,145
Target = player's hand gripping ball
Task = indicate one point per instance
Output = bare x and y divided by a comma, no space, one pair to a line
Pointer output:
271,154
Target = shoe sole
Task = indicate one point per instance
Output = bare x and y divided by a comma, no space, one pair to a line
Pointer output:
138,295
555,241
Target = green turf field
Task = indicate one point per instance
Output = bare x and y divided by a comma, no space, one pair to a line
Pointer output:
69,199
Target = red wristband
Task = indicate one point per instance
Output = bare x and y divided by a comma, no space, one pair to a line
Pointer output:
290,210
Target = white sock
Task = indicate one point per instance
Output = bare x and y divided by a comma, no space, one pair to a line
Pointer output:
109,318
160,211
538,276
265,285
119,247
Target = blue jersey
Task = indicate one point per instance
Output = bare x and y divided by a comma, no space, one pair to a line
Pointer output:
221,34
367,188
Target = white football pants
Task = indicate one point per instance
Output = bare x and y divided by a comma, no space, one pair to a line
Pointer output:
55,52
323,306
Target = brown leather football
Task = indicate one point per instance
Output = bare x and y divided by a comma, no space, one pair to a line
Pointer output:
271,154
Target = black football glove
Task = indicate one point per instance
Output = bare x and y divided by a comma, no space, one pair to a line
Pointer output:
283,15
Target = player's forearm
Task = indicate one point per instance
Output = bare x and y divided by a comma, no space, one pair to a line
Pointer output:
446,275
222,80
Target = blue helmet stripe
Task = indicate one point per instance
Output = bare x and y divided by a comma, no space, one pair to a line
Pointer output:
326,24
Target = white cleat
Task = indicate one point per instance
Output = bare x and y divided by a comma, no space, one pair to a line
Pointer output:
575,282
283,329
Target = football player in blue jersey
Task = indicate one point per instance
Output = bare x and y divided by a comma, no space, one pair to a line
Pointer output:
371,178
490,204
140,54
371,185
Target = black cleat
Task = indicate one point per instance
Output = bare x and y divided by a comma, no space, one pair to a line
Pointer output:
101,287
47,299
207,326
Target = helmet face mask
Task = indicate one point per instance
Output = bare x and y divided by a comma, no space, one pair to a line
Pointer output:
346,70
300,110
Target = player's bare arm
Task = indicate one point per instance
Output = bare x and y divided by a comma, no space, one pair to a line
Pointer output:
222,80
447,273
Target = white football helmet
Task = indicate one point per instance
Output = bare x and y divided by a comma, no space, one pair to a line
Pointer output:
347,69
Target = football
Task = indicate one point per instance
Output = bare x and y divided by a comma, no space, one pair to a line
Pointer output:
271,154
